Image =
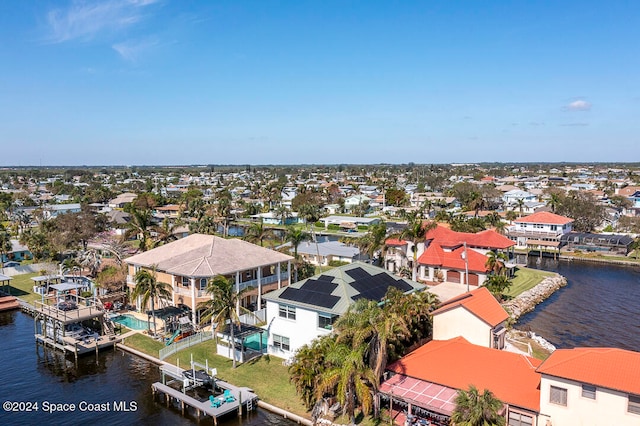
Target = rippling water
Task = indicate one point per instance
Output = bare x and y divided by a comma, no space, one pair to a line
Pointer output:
29,373
599,307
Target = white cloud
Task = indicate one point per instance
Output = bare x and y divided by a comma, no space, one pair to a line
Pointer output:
132,49
578,105
86,20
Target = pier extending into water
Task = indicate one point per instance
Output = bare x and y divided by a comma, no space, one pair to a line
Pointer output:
216,406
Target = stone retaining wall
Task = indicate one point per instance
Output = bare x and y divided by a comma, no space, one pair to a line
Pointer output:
527,301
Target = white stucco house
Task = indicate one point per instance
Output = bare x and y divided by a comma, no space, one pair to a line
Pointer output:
325,252
541,229
307,309
594,386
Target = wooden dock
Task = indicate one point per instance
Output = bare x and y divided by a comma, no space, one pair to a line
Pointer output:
244,398
79,347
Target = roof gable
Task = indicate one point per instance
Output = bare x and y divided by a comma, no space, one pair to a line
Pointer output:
546,218
479,302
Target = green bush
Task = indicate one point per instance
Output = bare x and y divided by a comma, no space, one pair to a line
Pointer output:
319,224
336,263
362,227
334,227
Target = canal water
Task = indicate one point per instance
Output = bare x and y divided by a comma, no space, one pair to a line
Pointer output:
599,307
30,374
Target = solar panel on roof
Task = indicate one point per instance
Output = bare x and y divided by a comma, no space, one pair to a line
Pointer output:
325,278
324,287
375,287
314,298
357,273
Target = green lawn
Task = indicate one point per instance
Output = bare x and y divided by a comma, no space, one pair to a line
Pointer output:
525,279
265,375
22,287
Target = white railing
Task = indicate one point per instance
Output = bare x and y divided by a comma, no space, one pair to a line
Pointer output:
187,291
263,281
254,318
185,343
532,232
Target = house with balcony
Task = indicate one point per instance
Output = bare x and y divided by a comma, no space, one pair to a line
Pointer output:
188,263
594,386
307,309
323,253
539,230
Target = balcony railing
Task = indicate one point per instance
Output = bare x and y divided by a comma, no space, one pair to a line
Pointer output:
264,281
519,232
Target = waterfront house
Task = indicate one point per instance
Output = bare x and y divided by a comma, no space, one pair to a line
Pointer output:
539,230
307,309
595,386
427,380
121,200
348,222
601,243
477,316
188,263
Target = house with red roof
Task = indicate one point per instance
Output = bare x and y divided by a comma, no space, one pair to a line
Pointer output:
539,230
444,257
426,380
477,316
594,386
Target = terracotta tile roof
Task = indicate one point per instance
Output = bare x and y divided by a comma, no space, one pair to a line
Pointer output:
435,255
201,255
457,364
546,218
610,368
479,302
489,239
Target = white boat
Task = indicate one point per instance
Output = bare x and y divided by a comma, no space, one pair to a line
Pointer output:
76,331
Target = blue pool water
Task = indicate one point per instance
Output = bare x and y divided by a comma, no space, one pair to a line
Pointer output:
132,322
253,341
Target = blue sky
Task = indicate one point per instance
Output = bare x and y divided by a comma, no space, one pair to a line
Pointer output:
133,82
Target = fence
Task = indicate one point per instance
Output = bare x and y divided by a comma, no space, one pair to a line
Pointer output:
184,343
254,318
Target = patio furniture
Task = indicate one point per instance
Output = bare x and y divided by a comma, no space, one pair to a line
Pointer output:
215,402
227,396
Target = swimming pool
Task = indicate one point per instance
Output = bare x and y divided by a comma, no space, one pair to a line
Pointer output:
132,322
253,341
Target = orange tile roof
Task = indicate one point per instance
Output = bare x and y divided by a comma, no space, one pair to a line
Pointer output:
435,255
546,218
486,239
479,302
395,242
610,368
456,363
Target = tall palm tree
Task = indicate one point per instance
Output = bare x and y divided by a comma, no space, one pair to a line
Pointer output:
349,378
223,307
374,240
149,288
520,205
140,226
307,367
475,409
5,245
295,236
415,233
554,201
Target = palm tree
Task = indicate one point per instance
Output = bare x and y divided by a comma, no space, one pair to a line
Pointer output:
495,261
554,201
474,409
497,284
223,307
415,232
140,226
257,232
520,205
374,240
5,245
149,288
307,367
295,236
349,378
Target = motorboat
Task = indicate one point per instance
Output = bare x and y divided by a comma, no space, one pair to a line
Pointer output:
198,377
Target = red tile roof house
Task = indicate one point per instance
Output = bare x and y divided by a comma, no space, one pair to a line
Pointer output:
426,381
590,386
539,230
444,256
477,316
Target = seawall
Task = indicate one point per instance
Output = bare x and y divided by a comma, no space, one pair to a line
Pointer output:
527,301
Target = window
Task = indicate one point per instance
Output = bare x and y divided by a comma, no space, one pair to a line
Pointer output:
634,404
288,312
519,419
589,391
203,283
185,281
558,396
281,342
326,321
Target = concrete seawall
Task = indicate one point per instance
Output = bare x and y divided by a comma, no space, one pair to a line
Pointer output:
528,300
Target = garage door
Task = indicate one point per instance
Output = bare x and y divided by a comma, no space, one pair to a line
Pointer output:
453,276
473,279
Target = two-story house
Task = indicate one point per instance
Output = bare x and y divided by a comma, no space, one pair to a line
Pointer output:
594,386
539,230
307,309
188,263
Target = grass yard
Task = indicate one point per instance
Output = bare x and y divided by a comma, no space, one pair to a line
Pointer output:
265,375
526,279
21,286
